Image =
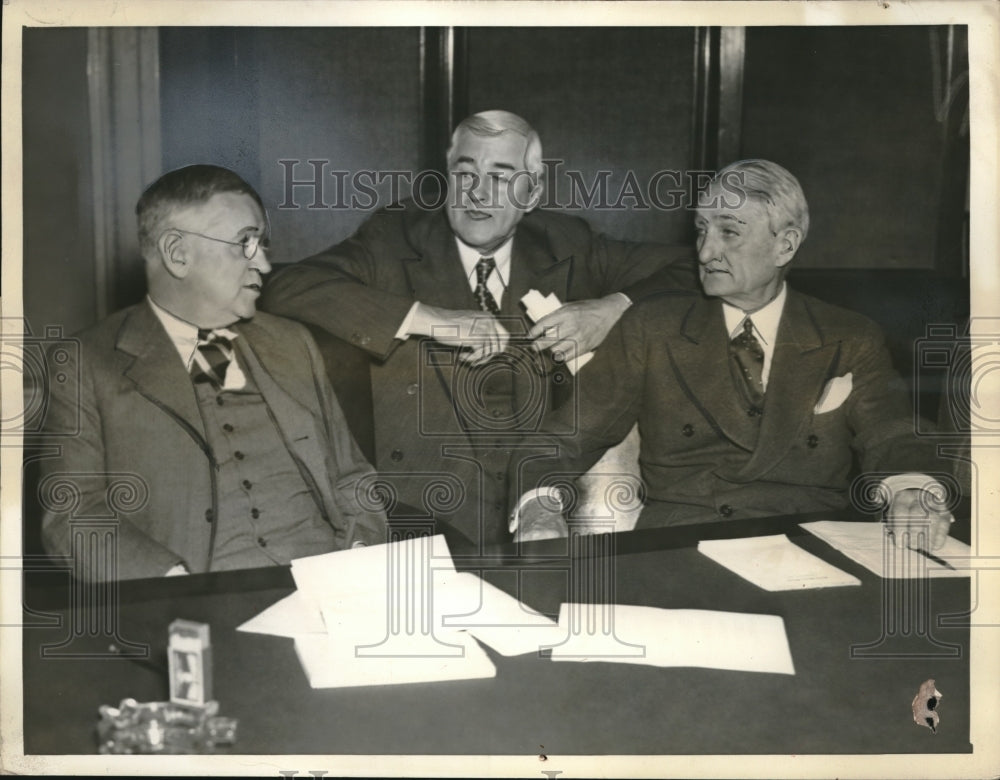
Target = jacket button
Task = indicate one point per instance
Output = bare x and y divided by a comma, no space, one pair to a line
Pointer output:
812,441
688,430
238,455
219,401
411,389
227,428
255,513
247,484
725,510
209,514
262,541
397,455
753,411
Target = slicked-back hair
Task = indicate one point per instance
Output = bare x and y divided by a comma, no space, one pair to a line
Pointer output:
191,185
773,186
491,123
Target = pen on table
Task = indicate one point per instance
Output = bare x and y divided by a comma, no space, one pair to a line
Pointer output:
933,557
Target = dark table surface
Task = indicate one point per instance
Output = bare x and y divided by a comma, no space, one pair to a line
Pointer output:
858,664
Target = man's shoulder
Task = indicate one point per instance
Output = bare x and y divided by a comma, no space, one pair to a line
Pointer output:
836,321
274,330
104,334
670,305
557,227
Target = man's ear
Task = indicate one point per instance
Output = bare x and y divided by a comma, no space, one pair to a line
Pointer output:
788,244
173,255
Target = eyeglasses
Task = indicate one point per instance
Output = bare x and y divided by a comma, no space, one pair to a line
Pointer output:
250,244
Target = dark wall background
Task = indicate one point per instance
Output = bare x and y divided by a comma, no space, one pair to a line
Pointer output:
852,114
614,100
59,272
850,110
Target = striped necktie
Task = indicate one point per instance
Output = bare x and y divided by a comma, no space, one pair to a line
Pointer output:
212,357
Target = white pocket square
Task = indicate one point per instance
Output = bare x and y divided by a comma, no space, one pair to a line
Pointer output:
834,394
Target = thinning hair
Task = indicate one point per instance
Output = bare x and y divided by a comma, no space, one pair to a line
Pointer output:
773,186
191,185
493,123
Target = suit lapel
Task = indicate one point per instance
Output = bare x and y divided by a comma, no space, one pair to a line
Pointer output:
435,270
700,356
800,367
534,267
157,369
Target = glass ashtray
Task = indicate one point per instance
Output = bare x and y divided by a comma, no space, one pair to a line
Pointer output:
163,727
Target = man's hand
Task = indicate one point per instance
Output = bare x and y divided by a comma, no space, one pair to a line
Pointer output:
538,518
177,570
477,332
579,327
918,518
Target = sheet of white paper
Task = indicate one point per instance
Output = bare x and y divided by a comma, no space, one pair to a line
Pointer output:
679,637
867,544
537,306
291,616
465,601
335,663
375,569
775,563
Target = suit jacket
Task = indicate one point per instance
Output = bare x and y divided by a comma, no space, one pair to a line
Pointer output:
704,455
139,417
360,291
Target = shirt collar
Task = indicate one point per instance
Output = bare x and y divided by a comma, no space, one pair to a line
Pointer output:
501,256
183,335
765,320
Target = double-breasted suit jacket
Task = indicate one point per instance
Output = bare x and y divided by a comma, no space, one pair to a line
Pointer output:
134,405
443,436
705,454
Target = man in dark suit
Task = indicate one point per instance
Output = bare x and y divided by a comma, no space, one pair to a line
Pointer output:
752,399
459,373
222,422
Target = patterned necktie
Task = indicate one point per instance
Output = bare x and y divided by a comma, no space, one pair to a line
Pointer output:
748,364
486,300
211,358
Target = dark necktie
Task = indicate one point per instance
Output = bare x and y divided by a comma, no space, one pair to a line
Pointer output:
748,365
211,358
487,302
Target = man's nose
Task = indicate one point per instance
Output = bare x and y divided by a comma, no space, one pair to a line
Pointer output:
707,249
260,261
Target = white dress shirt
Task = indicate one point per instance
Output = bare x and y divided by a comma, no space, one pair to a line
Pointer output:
765,326
184,337
496,283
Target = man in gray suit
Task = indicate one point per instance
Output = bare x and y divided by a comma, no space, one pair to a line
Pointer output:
222,418
752,399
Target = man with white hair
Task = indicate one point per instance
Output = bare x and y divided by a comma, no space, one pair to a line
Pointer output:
460,373
752,399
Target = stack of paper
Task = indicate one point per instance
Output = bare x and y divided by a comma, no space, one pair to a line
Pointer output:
774,563
679,637
870,545
537,306
398,613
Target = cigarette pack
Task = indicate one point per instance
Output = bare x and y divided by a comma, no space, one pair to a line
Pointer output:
189,653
